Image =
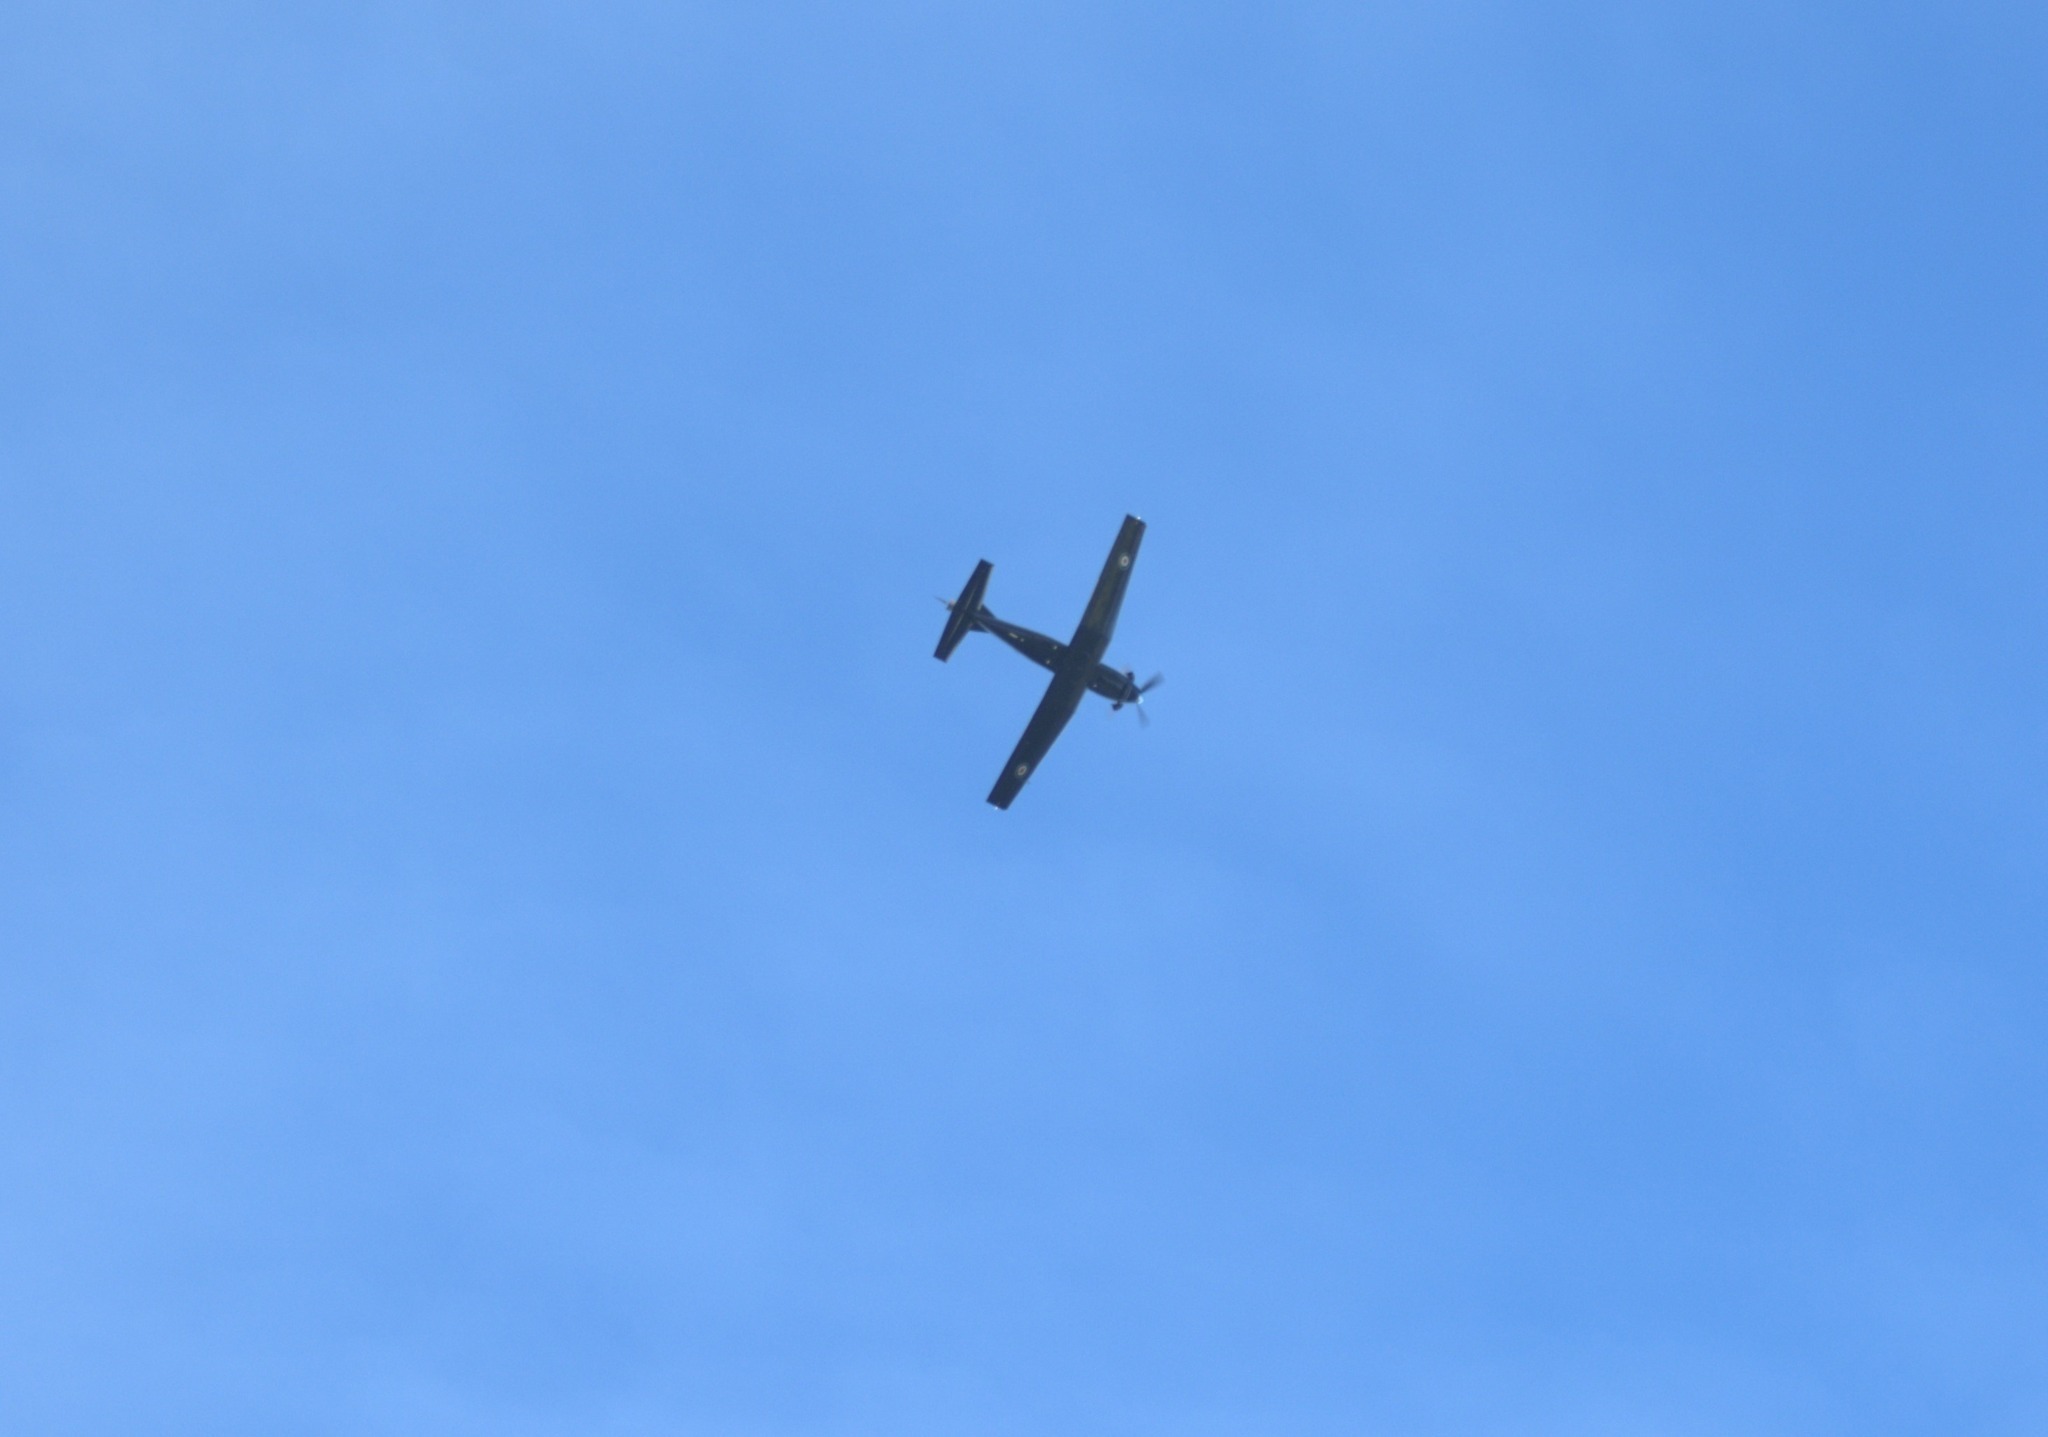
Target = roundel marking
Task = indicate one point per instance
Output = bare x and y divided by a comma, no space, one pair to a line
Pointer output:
1123,561
1022,769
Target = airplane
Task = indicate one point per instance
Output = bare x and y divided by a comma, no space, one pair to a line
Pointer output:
1076,665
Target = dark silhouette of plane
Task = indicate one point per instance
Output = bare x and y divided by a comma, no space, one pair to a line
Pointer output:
1076,665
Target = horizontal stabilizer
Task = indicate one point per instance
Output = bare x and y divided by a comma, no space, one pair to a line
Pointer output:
960,622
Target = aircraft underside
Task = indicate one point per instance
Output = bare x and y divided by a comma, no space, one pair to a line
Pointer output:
1076,665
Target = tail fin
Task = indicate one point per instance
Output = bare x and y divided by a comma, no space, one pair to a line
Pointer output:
960,622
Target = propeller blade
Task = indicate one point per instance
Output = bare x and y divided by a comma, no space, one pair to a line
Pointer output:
1151,684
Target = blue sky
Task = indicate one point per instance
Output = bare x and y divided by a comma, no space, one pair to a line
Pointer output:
499,929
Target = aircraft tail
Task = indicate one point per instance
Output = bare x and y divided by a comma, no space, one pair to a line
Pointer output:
960,622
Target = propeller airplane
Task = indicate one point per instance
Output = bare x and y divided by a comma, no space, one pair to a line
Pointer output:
1076,665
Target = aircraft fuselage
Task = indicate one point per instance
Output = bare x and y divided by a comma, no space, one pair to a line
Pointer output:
1047,652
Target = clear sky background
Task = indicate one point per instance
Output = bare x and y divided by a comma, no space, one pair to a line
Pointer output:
499,928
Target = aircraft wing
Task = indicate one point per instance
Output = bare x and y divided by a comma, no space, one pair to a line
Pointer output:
1098,621
1062,697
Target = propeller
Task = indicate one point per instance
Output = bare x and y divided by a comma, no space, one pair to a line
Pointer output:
1137,700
